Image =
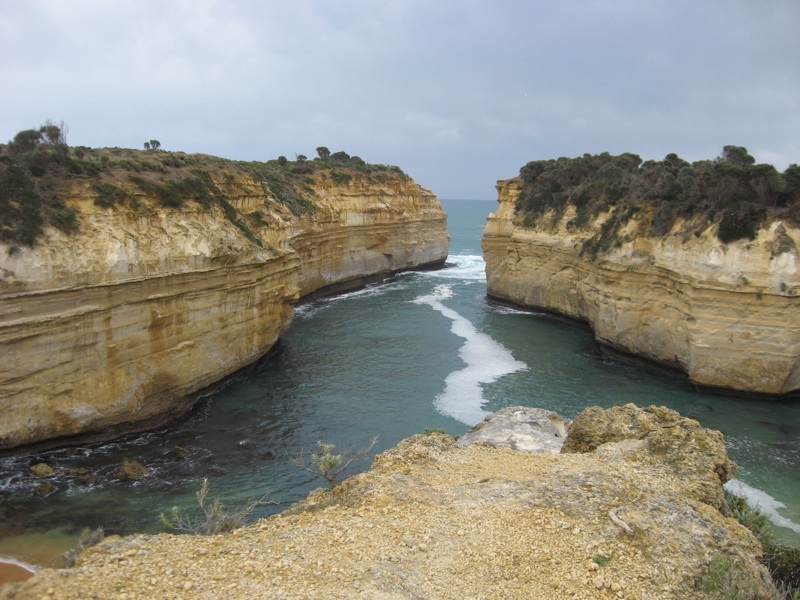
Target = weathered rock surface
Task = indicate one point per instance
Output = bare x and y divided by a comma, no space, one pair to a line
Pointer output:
117,327
435,519
520,428
685,301
697,455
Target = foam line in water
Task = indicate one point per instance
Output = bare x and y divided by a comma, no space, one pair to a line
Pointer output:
306,310
10,560
761,501
486,361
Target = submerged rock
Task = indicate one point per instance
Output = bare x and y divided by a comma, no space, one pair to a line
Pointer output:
45,488
131,470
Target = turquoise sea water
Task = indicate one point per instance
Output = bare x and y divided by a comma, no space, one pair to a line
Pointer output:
422,350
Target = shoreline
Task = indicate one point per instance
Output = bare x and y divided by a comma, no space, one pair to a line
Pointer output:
14,571
671,371
188,403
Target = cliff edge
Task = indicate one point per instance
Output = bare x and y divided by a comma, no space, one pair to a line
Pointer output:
725,313
632,509
179,270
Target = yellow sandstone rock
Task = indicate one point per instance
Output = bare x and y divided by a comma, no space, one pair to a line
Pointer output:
119,326
728,315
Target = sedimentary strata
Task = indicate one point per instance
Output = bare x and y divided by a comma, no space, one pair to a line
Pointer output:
118,326
727,315
631,509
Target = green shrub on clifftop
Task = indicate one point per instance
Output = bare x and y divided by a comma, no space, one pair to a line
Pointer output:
37,168
32,167
731,190
212,520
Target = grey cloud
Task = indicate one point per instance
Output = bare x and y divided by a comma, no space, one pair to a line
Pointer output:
457,93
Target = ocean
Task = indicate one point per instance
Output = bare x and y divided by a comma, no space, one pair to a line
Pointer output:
422,350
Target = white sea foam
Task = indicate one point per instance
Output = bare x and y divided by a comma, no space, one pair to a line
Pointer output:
465,267
762,501
10,560
306,310
486,361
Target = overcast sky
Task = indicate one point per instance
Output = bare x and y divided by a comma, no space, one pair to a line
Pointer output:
458,93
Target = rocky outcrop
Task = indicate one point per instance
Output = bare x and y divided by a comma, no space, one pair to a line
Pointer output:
119,326
520,428
434,518
728,315
695,455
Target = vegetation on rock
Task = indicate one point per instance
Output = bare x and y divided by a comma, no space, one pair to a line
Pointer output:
89,538
37,169
782,561
324,463
730,191
213,519
32,167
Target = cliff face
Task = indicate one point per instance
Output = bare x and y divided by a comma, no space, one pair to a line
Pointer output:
727,315
117,326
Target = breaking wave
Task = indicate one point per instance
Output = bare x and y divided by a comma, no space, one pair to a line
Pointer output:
465,268
763,502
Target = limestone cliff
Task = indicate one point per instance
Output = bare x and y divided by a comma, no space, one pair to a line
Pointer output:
117,326
728,315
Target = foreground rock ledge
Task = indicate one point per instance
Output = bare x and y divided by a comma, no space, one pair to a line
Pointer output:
433,519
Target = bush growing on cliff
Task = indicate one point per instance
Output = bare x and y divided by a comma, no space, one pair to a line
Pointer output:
724,580
213,519
324,463
782,561
89,538
731,190
32,166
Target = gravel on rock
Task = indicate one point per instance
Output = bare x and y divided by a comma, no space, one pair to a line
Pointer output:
432,519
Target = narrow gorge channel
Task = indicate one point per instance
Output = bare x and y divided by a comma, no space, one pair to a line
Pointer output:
423,350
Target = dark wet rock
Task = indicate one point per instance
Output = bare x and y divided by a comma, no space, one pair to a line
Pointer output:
131,470
77,471
177,453
45,488
521,428
268,455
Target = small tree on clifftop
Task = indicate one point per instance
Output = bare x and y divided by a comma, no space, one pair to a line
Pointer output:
324,463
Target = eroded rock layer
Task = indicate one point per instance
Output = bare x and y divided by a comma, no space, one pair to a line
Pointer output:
728,315
119,325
